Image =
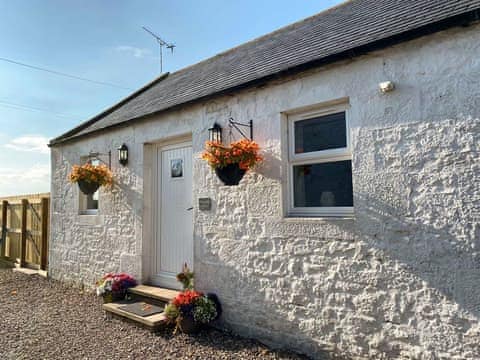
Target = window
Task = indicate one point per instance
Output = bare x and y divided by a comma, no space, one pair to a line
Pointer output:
320,163
88,204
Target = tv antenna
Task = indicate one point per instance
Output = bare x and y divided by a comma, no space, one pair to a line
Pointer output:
161,43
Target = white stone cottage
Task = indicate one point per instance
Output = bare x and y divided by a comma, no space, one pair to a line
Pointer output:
359,234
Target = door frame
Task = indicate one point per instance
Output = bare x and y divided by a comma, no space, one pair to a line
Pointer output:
156,184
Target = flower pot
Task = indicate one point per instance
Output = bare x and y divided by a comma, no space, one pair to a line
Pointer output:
187,325
107,298
119,295
230,174
88,188
114,296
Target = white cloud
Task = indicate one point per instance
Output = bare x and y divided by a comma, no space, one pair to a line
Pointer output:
31,143
18,181
134,51
38,172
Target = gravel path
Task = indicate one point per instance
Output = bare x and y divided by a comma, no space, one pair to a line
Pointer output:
44,319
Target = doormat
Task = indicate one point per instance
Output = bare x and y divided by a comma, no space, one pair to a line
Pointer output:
141,308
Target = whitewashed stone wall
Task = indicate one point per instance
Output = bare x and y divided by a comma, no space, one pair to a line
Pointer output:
398,280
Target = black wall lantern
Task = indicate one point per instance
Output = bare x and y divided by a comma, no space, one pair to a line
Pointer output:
123,154
215,133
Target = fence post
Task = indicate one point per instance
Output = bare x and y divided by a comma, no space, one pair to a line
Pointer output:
44,248
4,228
23,243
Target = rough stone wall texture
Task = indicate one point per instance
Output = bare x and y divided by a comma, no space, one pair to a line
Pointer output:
398,280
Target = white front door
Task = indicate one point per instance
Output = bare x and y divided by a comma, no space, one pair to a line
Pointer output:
174,220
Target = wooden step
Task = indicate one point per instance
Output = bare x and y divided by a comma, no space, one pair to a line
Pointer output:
152,322
153,292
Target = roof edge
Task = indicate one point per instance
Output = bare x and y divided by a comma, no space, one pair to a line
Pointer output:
460,20
107,111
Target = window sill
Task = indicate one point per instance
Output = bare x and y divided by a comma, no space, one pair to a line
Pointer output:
313,218
322,212
88,212
90,219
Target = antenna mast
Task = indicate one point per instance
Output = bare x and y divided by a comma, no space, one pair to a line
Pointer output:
161,44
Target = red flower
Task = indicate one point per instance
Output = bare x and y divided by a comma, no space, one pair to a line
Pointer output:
186,297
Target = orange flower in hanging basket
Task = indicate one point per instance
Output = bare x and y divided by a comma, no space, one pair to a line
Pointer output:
245,153
232,162
90,177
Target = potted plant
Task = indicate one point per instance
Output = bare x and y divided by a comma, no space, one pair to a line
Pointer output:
186,278
232,162
190,309
114,287
90,177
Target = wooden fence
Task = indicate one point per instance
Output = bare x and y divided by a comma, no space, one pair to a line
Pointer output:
25,230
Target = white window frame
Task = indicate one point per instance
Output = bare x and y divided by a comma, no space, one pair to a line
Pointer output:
83,201
316,157
82,198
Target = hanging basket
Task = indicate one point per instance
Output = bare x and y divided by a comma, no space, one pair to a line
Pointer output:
88,188
230,174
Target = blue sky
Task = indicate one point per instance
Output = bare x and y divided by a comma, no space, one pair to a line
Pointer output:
103,41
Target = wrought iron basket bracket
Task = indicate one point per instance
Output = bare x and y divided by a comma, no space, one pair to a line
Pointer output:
96,155
235,125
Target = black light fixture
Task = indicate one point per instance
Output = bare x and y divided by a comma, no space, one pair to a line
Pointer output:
215,133
123,154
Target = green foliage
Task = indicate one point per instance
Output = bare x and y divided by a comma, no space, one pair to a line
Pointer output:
171,312
186,278
205,310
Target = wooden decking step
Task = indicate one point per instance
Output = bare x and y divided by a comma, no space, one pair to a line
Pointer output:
153,292
152,322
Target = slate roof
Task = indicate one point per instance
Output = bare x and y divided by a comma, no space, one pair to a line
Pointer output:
347,30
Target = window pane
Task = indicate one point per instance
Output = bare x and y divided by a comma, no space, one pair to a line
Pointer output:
92,201
321,133
323,185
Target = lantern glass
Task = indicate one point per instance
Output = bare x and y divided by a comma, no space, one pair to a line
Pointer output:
123,154
215,133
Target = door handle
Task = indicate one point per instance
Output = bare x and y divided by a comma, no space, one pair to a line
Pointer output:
190,208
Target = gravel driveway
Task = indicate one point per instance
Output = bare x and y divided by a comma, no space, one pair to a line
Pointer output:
44,319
